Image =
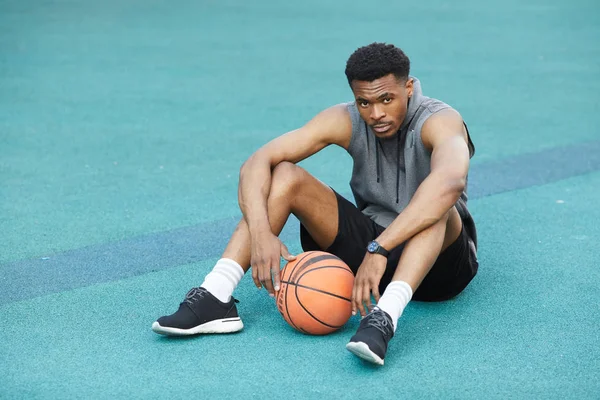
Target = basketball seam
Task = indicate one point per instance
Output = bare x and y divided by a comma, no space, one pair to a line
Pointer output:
297,264
317,290
287,291
327,266
301,266
287,310
309,313
312,261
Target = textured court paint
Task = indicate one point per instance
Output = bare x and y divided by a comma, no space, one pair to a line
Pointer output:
526,328
143,254
533,169
125,118
122,119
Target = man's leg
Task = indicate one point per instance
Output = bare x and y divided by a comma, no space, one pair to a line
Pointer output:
422,250
293,191
417,259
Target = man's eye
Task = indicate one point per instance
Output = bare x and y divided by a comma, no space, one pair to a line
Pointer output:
387,100
363,104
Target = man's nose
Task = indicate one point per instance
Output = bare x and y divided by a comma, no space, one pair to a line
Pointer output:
377,112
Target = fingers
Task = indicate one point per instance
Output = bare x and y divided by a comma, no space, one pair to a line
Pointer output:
366,299
266,271
354,298
265,278
361,297
375,291
255,276
360,294
286,254
275,269
276,277
261,273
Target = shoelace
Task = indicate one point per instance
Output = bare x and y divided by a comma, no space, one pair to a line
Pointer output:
378,320
194,295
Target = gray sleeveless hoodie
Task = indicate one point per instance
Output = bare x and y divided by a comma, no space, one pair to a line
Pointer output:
387,172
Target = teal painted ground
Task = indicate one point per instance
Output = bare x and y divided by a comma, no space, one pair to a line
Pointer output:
122,119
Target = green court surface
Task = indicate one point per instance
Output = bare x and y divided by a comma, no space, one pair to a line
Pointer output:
123,126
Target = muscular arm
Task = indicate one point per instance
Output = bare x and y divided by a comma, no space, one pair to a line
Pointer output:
331,126
445,135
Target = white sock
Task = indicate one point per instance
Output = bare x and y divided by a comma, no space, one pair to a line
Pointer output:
394,299
223,279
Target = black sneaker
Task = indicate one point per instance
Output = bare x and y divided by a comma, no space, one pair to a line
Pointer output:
200,312
371,339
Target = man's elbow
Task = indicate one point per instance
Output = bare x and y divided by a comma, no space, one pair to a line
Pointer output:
250,163
245,167
455,186
459,185
257,161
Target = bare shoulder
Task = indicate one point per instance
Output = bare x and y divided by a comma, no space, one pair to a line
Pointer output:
332,125
442,125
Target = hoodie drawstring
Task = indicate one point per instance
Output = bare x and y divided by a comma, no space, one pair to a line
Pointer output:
378,162
400,140
398,170
377,150
377,145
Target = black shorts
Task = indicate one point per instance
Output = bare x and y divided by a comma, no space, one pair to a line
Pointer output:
451,273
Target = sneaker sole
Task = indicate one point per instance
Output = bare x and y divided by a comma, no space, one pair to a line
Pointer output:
227,325
361,350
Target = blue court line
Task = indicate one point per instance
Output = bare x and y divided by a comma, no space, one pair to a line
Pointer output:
107,262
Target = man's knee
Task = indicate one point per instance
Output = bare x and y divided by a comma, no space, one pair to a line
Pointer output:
453,224
449,217
449,225
286,179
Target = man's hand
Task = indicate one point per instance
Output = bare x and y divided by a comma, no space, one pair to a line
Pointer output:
265,260
367,281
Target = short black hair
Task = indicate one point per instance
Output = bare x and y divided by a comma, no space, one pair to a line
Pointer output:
375,61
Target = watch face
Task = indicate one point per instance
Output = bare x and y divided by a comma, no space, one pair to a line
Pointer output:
372,247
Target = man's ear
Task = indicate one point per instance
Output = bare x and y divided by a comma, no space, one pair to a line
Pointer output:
409,87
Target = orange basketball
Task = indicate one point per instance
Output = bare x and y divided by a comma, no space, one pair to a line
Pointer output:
315,296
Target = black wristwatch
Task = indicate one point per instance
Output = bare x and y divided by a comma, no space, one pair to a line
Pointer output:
375,248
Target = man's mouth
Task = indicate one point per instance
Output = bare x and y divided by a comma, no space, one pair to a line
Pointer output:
382,128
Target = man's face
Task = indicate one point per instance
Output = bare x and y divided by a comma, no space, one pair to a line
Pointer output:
382,103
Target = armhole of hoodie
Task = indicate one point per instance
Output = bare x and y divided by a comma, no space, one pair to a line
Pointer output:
432,111
356,121
471,145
